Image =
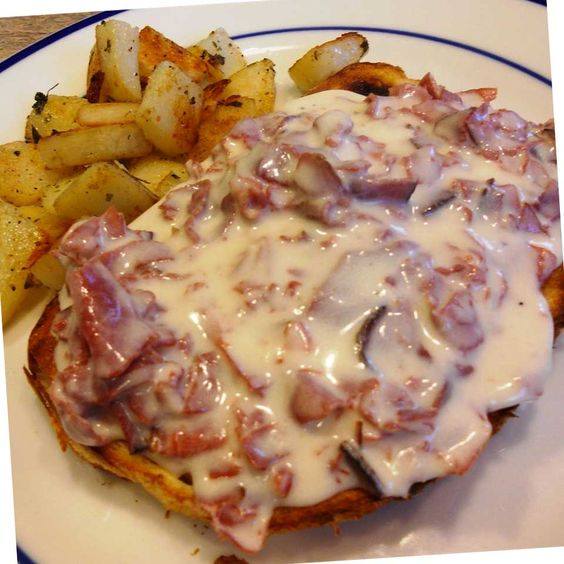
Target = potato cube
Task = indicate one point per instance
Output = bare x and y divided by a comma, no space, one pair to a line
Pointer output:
95,91
23,175
170,111
94,144
151,170
171,180
106,113
326,59
21,244
154,48
52,225
118,48
220,122
222,52
100,186
50,114
49,271
255,81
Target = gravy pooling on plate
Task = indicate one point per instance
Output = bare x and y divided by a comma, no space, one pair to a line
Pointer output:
348,280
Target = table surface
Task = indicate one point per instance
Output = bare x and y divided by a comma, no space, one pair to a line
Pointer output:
17,33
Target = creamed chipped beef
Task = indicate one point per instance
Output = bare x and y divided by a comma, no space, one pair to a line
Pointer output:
349,278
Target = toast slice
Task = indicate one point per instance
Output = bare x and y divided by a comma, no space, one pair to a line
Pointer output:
176,494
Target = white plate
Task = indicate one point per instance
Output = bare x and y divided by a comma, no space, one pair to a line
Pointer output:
67,511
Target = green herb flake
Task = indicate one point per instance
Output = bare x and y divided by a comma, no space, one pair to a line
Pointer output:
40,101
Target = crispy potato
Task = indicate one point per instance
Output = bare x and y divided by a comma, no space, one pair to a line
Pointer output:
154,48
151,170
23,176
222,52
13,292
220,123
326,59
365,78
171,180
212,95
95,92
170,111
51,114
100,186
21,244
49,271
118,48
94,144
255,81
51,194
52,225
214,72
106,113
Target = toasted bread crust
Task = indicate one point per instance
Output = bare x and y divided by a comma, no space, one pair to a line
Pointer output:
176,495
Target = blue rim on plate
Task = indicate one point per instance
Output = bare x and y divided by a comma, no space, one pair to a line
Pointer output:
22,557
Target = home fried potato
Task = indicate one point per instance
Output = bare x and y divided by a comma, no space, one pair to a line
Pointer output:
52,225
49,271
51,194
221,51
254,81
169,113
220,122
94,144
106,113
100,186
365,78
153,169
326,59
117,43
23,175
13,292
95,78
212,95
171,180
50,114
21,244
154,48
